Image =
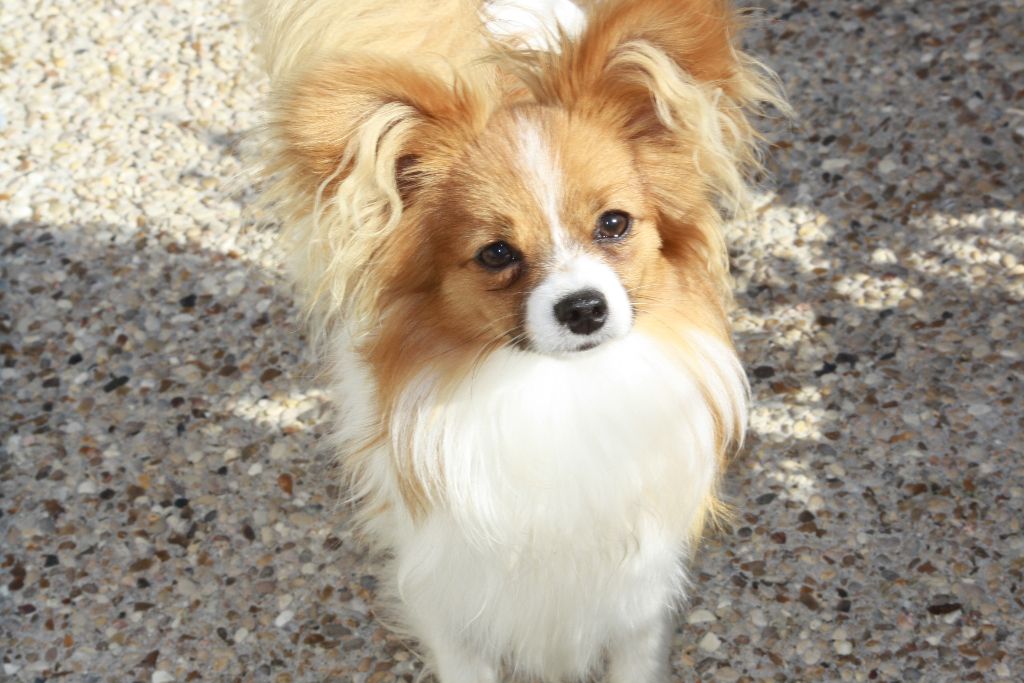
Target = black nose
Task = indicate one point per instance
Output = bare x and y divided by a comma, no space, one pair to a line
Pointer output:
583,312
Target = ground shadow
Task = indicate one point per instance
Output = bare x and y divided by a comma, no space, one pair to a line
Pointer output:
165,505
874,293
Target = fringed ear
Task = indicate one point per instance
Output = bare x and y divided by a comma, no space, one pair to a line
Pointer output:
353,139
674,66
669,75
666,69
350,108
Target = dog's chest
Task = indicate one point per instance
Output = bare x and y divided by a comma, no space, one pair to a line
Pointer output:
551,605
537,448
562,494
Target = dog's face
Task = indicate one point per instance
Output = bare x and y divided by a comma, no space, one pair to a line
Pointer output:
555,215
544,234
550,230
553,202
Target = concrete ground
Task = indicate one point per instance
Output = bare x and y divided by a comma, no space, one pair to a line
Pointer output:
165,514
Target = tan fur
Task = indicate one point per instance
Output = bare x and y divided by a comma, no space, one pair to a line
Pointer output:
662,72
391,157
293,34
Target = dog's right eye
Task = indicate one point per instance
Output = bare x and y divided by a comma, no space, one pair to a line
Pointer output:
612,225
497,256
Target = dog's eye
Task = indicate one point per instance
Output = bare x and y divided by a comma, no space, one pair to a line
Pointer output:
497,256
612,225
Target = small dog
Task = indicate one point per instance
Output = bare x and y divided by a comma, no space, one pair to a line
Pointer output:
505,221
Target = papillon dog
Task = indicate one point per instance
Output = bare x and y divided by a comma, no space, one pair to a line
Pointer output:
505,221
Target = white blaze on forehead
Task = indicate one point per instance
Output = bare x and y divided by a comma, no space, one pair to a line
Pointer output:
539,166
569,270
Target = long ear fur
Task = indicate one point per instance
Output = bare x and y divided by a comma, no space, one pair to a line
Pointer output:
341,135
669,73
671,65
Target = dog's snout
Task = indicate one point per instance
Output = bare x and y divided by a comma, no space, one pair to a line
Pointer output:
583,312
579,306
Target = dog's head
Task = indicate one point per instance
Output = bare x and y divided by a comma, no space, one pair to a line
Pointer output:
550,200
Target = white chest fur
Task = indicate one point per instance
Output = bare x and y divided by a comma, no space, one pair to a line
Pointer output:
565,493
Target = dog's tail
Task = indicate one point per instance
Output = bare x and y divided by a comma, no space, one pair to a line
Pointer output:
297,34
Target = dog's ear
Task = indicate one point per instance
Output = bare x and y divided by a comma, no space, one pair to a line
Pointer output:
354,143
668,75
365,121
667,72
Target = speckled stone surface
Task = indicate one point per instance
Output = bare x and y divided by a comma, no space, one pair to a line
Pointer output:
166,515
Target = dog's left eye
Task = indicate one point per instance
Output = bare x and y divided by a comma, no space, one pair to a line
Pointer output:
612,225
497,256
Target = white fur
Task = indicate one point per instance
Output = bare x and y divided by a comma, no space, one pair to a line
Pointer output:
542,175
573,273
535,23
563,495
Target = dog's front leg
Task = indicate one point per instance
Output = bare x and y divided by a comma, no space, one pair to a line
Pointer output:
641,656
453,661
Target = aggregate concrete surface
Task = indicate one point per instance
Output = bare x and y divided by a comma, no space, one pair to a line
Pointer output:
166,515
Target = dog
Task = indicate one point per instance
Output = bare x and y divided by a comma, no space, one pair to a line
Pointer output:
505,222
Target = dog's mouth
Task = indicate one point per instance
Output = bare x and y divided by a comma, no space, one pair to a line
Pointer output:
587,346
521,342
